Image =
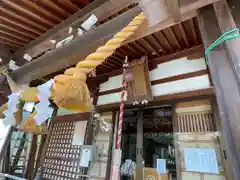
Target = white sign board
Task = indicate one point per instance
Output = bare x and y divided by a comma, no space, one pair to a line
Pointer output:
201,160
161,166
79,133
85,157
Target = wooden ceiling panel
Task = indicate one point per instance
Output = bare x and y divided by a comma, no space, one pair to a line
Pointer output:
181,35
24,20
171,38
11,14
10,39
7,33
42,12
14,29
9,44
25,12
156,46
16,22
54,6
69,5
191,31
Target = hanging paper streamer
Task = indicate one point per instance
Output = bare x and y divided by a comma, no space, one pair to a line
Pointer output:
13,101
28,106
42,108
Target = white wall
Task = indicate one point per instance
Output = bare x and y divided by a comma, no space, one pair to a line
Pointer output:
164,70
112,83
177,67
184,85
111,98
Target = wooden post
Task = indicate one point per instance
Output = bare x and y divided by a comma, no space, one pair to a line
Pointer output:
111,146
226,85
31,158
139,153
175,131
226,23
7,159
225,154
5,147
19,152
41,146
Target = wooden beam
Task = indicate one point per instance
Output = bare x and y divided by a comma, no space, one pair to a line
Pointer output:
80,47
163,128
166,99
226,86
187,11
174,8
179,54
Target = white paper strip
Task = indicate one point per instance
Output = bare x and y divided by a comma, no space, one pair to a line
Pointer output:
12,65
28,106
27,57
42,108
90,22
13,101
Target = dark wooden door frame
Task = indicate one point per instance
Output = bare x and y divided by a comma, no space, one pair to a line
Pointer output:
139,146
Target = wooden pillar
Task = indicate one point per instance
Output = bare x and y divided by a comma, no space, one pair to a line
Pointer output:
175,131
31,158
139,153
111,146
7,159
225,154
41,147
226,23
226,85
18,153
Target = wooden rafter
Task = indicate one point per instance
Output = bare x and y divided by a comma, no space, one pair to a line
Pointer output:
12,14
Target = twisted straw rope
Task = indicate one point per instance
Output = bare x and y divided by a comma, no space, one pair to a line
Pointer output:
84,67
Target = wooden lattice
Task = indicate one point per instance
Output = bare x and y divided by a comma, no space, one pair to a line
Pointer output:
195,122
61,157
